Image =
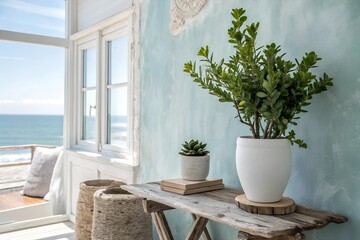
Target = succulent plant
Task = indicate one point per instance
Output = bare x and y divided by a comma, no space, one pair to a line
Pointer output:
193,148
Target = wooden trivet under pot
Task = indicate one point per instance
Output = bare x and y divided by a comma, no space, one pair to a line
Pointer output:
284,206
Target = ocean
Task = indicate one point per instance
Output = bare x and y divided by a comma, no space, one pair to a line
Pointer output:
28,129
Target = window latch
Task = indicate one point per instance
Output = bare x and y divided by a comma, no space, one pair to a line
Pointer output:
90,108
99,147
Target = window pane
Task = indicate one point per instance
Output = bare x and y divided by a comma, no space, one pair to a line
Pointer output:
33,16
89,115
118,60
117,116
89,67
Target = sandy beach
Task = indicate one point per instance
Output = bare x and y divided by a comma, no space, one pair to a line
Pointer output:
13,177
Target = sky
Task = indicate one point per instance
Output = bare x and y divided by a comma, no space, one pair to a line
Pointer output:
32,76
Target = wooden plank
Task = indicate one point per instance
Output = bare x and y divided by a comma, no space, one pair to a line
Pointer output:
205,235
227,196
14,164
30,147
151,206
23,147
321,214
305,222
163,225
15,199
197,228
220,206
157,226
245,236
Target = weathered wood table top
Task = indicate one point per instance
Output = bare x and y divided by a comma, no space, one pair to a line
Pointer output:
220,206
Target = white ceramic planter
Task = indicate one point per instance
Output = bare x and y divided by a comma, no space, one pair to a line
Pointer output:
195,168
263,167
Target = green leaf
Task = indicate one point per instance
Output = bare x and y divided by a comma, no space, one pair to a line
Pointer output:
261,94
197,147
266,85
186,146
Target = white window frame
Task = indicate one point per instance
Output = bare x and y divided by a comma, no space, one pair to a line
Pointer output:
53,42
83,44
109,35
110,29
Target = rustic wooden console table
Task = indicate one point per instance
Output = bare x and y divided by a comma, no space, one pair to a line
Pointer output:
220,206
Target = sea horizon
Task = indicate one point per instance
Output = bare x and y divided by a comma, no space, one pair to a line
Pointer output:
22,129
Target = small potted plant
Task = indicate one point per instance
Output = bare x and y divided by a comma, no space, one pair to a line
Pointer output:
268,93
195,161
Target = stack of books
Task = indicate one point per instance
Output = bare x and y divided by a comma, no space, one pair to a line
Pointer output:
185,187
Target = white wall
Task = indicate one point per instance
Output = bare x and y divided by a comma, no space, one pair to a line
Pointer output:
90,12
82,168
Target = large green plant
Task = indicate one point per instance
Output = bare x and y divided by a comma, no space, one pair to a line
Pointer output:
267,91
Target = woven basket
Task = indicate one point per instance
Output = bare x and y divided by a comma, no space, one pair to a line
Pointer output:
85,205
119,215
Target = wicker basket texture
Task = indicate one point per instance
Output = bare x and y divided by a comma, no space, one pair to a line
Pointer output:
119,215
85,205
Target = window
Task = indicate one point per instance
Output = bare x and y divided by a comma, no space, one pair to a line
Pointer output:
106,116
33,60
116,91
88,69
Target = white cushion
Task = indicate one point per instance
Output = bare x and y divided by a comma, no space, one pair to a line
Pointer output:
42,166
56,194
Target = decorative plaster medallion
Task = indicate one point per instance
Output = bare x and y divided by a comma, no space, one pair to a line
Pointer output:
181,10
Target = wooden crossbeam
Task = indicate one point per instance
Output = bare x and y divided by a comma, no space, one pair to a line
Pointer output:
162,227
205,235
197,228
151,206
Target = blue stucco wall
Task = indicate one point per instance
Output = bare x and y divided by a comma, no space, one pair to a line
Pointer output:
174,109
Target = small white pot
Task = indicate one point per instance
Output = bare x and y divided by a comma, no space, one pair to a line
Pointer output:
263,167
195,168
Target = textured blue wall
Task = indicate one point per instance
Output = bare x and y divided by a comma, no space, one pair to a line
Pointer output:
174,109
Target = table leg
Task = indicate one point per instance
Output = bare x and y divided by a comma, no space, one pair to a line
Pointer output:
197,228
158,217
246,236
205,235
162,226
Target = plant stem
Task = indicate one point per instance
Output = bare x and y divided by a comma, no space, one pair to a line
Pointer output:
242,121
268,135
257,124
266,129
252,128
261,127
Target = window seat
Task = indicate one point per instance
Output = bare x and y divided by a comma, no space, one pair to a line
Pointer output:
12,200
